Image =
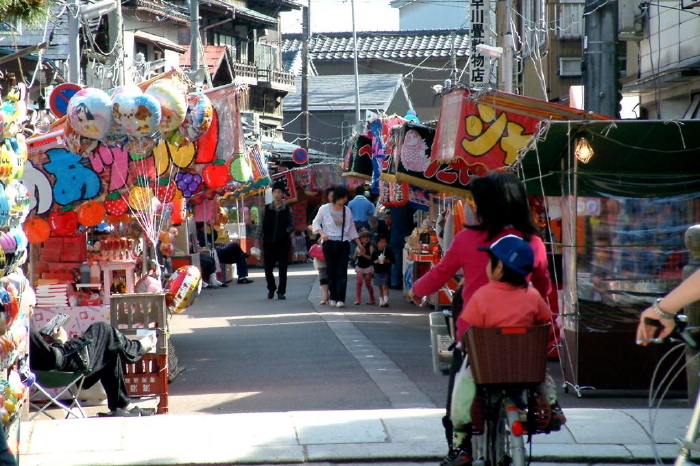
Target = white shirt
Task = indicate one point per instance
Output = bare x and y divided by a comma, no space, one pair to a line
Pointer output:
324,221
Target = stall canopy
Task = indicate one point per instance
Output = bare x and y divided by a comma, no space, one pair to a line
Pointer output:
631,158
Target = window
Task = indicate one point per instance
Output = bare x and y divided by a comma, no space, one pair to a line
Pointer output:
570,66
534,26
570,21
266,57
142,48
224,39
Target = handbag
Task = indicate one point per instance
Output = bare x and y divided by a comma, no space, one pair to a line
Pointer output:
316,251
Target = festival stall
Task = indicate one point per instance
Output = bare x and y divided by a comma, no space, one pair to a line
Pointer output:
108,190
621,195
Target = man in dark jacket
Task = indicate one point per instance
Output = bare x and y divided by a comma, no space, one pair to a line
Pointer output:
107,354
276,225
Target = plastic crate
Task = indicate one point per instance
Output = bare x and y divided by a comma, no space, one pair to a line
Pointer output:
508,355
440,342
134,311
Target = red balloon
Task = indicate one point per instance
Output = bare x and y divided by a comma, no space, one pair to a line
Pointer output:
64,223
182,288
207,144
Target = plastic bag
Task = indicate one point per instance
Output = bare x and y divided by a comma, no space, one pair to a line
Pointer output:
462,395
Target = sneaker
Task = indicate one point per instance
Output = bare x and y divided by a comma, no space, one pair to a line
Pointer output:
371,303
456,457
244,281
340,304
281,296
332,303
558,418
357,303
270,294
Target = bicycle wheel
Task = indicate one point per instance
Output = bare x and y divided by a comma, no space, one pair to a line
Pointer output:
508,446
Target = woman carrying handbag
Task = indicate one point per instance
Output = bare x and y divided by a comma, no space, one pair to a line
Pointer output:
335,224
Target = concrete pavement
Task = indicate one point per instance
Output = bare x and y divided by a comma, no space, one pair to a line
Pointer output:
400,436
409,434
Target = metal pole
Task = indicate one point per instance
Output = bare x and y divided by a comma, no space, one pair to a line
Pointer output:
194,35
508,50
116,39
358,116
73,41
305,79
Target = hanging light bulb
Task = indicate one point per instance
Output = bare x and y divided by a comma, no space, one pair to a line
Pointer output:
583,151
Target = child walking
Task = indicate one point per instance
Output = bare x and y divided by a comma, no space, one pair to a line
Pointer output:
382,258
364,268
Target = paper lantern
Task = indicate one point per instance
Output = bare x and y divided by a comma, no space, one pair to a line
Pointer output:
37,230
398,194
91,213
182,288
90,112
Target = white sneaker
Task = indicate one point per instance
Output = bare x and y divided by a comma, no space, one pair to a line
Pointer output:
340,304
332,303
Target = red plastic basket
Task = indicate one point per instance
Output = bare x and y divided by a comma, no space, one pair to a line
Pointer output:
499,355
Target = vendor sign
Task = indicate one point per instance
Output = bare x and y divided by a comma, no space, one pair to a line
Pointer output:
290,191
358,158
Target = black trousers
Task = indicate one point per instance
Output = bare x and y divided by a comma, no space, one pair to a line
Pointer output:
337,253
233,254
109,352
276,254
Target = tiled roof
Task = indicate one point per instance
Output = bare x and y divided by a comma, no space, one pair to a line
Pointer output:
337,92
214,55
387,45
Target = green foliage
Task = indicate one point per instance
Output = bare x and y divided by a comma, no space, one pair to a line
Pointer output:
31,12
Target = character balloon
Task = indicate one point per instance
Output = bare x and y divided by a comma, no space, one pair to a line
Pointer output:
90,112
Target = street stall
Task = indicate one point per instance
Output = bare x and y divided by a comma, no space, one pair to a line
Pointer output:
620,196
108,189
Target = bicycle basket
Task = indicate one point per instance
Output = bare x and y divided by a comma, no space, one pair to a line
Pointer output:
508,354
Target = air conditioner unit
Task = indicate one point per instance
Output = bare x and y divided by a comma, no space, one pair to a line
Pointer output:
570,66
630,19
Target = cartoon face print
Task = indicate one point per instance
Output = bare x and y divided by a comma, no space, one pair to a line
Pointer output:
74,181
4,208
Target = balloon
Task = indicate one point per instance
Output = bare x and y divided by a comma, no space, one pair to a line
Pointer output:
179,213
90,112
8,243
138,114
172,101
4,208
37,230
140,147
240,169
91,213
8,160
198,118
208,143
20,239
182,288
128,88
19,144
77,144
18,199
148,284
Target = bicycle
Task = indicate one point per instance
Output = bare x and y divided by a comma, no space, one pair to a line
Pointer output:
691,441
508,363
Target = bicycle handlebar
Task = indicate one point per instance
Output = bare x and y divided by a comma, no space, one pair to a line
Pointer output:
681,332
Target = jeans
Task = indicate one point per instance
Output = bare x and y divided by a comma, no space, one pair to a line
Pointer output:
275,254
336,253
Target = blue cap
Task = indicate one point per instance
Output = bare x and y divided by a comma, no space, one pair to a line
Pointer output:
514,252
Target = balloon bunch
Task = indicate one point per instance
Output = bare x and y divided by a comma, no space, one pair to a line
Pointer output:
134,119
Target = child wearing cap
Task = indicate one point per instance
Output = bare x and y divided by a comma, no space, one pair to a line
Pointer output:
508,300
363,268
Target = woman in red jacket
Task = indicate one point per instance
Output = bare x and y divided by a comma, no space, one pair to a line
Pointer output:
501,209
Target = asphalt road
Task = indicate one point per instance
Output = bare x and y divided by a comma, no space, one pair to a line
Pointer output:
244,353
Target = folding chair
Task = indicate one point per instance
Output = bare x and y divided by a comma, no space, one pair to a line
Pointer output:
71,384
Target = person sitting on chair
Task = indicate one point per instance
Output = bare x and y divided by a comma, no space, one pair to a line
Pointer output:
108,353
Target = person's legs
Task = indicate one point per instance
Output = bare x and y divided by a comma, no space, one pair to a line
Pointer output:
342,272
332,264
242,267
370,288
282,262
359,278
109,351
270,258
384,292
6,457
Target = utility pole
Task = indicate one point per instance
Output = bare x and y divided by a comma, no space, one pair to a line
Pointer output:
358,116
74,41
600,76
194,36
116,40
507,60
306,36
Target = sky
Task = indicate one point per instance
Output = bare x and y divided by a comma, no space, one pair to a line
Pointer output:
336,16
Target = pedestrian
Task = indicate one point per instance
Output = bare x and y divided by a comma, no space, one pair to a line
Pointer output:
336,225
364,269
501,209
382,259
276,225
108,352
320,265
402,225
363,212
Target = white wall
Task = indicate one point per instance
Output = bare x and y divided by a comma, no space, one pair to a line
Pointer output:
433,15
673,40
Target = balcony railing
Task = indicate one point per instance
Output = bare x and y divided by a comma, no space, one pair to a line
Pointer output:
277,78
245,73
